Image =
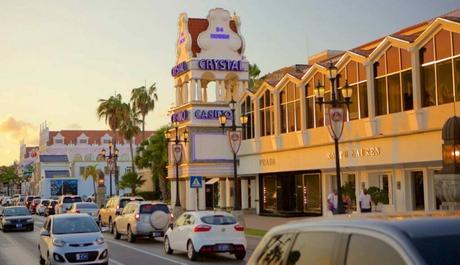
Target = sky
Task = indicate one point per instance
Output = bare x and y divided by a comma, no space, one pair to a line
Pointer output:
58,58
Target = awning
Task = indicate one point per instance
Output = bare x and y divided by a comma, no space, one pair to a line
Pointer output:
212,181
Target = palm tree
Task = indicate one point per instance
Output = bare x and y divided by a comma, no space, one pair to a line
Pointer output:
131,180
144,101
129,128
113,112
254,73
93,172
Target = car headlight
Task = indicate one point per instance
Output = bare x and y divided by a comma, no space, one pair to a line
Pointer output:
100,240
6,221
58,242
30,220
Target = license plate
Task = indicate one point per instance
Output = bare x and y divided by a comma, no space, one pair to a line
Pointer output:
18,225
157,234
82,256
223,247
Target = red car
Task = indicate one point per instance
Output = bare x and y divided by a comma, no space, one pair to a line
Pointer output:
33,205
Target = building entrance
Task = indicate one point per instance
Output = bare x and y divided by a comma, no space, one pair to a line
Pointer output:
418,195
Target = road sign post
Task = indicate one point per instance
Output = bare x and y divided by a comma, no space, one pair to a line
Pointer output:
197,183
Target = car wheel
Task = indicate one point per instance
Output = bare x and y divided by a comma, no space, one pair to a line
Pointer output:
116,235
131,236
191,253
110,226
240,255
167,246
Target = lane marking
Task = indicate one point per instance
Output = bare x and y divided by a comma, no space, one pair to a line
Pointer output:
112,261
145,252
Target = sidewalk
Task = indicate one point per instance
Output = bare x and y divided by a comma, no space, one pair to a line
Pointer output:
258,222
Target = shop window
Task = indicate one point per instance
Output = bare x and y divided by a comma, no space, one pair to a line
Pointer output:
380,97
457,77
442,45
394,93
290,108
444,82
406,82
266,114
355,74
428,86
247,108
456,42
363,106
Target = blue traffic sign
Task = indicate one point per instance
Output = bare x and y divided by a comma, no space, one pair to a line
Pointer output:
196,182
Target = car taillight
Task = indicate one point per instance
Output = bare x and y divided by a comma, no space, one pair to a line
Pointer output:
137,217
77,211
118,207
171,215
201,228
239,227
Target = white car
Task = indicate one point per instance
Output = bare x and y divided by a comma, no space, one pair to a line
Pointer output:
65,202
40,209
142,218
206,232
90,208
72,239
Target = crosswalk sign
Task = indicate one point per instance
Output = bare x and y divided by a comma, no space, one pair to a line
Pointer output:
196,181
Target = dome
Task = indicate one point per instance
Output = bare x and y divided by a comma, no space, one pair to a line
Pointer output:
451,129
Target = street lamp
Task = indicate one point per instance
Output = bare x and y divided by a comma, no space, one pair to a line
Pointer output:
111,159
235,141
177,151
336,117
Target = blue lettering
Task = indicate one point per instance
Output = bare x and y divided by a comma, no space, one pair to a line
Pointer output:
220,65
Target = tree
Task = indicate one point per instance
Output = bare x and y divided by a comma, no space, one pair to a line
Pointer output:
93,172
152,153
131,180
144,101
129,128
8,176
254,80
113,111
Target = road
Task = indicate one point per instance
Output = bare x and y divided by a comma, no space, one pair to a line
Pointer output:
20,248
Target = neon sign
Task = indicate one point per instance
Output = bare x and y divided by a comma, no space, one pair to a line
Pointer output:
180,116
179,69
220,65
211,114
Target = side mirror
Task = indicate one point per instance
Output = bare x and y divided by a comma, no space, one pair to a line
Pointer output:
44,233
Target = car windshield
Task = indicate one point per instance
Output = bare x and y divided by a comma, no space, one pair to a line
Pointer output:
53,203
16,211
71,199
74,225
46,203
87,206
218,220
36,201
439,249
123,202
150,208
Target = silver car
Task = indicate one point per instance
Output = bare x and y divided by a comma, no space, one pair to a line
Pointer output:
72,239
144,218
90,208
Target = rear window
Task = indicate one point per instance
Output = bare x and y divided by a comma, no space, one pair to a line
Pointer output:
123,202
46,203
439,249
150,208
29,199
87,206
71,199
218,220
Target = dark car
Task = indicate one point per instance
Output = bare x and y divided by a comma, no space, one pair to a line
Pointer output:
393,239
33,205
16,218
50,209
29,199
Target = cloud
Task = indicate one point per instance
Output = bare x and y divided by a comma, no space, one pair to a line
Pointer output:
74,126
19,130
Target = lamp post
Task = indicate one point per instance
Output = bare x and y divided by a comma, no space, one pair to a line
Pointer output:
336,119
235,141
177,151
111,159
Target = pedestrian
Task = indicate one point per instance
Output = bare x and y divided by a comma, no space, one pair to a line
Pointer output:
365,202
332,201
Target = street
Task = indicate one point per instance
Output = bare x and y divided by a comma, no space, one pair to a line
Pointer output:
20,248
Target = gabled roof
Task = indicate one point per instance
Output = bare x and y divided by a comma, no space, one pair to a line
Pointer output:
94,136
297,71
54,158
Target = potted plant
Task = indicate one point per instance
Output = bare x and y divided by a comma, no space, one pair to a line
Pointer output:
379,197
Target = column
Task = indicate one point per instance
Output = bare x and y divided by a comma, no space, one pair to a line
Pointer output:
204,92
222,194
184,93
303,107
253,184
198,90
276,110
178,96
202,197
192,88
228,189
416,81
370,89
218,89
256,118
244,194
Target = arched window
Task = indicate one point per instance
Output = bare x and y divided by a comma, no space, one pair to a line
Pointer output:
393,82
440,69
356,75
290,108
247,108
266,114
315,112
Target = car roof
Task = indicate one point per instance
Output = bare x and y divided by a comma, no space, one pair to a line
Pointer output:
206,213
92,203
69,215
9,207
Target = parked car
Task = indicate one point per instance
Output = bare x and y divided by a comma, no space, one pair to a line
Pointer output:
64,203
114,207
89,208
33,205
206,232
6,201
396,239
72,239
40,209
18,199
142,218
16,218
50,209
29,199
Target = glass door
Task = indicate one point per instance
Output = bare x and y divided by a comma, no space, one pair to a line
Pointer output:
418,194
312,193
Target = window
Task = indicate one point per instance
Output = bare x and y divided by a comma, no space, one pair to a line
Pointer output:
313,248
128,169
364,250
247,108
106,141
393,82
267,116
82,171
290,108
439,69
276,250
355,74
315,112
58,141
83,141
